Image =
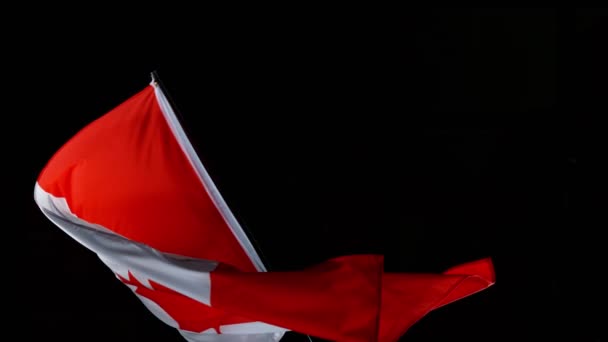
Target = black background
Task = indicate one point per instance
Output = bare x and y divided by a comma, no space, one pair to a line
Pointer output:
434,138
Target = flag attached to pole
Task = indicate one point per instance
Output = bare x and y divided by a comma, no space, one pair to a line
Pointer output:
130,187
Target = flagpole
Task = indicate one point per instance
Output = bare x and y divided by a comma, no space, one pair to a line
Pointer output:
156,79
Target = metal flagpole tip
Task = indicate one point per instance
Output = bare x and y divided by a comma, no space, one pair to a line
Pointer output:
154,77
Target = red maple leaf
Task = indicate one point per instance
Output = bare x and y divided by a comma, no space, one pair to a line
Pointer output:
189,314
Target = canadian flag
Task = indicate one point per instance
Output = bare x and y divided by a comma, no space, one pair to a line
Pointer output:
131,188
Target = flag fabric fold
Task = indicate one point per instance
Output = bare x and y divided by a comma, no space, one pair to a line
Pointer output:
130,188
